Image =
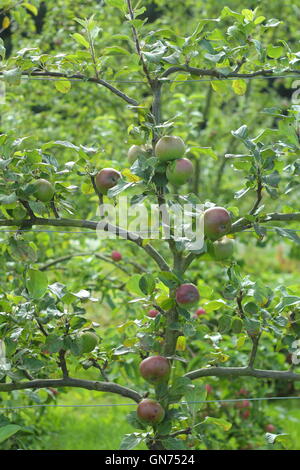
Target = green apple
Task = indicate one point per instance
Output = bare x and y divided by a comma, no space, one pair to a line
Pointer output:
169,148
223,248
44,190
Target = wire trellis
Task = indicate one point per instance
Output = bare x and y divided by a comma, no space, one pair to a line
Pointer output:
107,405
165,80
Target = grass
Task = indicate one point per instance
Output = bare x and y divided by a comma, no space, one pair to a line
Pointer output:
102,428
95,428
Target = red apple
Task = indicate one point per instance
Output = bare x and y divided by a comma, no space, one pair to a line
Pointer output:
200,311
153,313
180,171
243,404
187,295
243,391
208,388
150,411
44,190
116,256
217,222
155,369
169,148
270,428
245,414
223,248
106,179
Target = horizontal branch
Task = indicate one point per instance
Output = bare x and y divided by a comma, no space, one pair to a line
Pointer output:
243,223
83,78
118,231
74,383
215,73
242,372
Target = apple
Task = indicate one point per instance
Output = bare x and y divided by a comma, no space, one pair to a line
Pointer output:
169,148
223,248
180,171
150,411
217,222
243,404
153,313
134,152
245,414
53,390
208,388
155,369
44,190
88,341
187,295
200,311
116,256
243,391
270,428
106,178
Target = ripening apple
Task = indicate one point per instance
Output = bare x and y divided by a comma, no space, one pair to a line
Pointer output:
270,428
245,414
223,248
200,311
150,411
153,313
116,256
187,295
134,152
107,178
88,341
44,190
217,222
155,369
208,388
180,171
169,148
243,404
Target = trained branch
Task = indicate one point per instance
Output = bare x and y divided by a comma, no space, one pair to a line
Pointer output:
217,74
79,223
83,78
75,383
242,372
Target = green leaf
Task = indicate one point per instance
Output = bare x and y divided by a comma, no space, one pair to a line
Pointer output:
169,279
8,431
36,283
130,441
63,85
283,232
114,50
81,40
31,8
214,305
225,425
147,284
274,51
239,87
287,302
224,324
172,443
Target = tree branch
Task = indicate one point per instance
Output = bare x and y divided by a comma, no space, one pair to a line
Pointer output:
79,76
217,74
75,383
242,372
79,223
